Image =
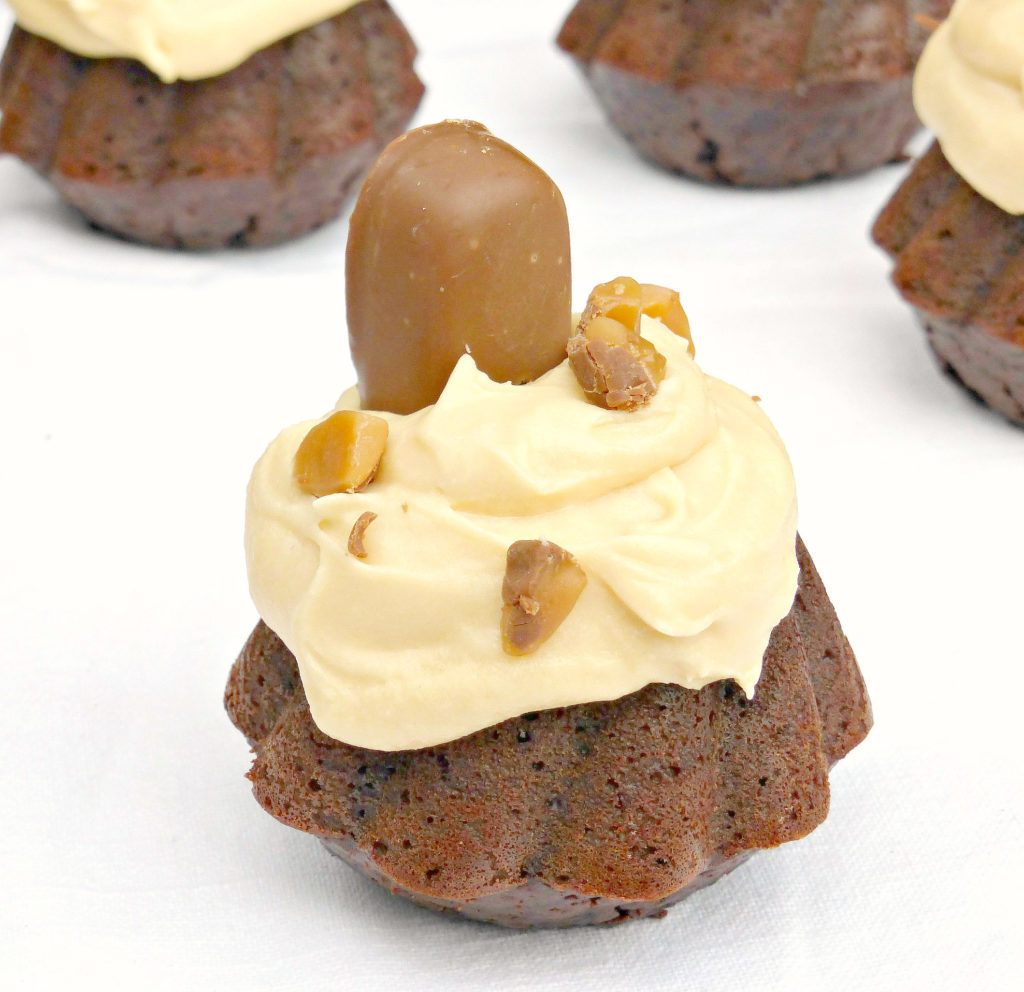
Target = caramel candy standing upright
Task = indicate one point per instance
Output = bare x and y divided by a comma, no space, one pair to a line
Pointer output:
457,243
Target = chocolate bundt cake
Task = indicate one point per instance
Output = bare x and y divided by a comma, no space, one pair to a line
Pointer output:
755,92
959,263
257,155
578,815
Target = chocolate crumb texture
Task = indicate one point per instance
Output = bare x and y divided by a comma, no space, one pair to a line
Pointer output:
542,583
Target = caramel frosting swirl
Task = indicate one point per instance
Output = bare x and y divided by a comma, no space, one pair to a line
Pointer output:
969,89
177,39
682,515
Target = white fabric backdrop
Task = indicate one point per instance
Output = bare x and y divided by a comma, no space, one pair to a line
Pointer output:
139,386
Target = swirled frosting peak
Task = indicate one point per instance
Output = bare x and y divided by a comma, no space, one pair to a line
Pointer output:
682,514
969,89
177,39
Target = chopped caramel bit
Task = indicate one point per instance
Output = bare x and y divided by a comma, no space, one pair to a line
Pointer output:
663,304
620,299
340,454
355,539
542,584
615,366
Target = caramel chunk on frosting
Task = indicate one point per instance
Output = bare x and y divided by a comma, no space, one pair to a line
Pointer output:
355,537
458,244
542,584
615,366
340,454
663,304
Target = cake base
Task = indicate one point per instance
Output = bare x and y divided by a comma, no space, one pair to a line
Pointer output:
258,155
749,138
959,262
990,369
533,904
583,814
755,94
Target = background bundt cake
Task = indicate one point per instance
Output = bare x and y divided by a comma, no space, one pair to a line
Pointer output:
257,155
955,227
959,263
755,92
578,815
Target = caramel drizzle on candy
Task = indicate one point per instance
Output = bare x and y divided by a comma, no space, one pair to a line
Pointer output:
542,584
616,367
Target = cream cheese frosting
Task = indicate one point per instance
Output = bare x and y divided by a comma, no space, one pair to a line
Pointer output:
969,89
177,39
682,514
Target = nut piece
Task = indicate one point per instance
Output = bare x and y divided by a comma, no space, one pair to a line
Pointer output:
355,538
542,584
663,304
340,454
615,366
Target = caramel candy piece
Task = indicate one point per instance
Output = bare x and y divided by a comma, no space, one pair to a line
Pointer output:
458,243
340,454
542,584
664,305
355,538
615,366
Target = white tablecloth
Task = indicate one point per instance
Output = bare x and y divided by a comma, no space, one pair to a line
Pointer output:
138,387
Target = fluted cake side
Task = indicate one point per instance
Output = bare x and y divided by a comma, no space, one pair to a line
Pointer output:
584,814
258,155
959,263
752,92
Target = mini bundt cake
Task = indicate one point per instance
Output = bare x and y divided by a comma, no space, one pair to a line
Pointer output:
539,643
259,154
755,92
